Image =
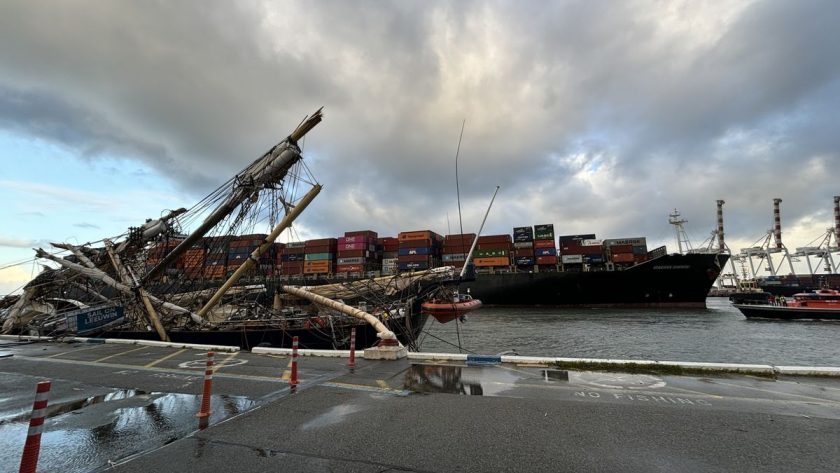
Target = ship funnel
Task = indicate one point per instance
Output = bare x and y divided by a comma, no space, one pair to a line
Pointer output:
721,244
777,223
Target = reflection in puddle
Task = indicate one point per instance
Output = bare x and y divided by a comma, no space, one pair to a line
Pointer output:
84,435
440,379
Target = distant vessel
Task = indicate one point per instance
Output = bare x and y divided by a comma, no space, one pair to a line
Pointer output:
823,304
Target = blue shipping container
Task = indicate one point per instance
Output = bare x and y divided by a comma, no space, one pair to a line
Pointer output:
525,261
415,251
545,251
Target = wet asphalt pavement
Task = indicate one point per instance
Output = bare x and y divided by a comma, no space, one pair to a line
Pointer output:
132,409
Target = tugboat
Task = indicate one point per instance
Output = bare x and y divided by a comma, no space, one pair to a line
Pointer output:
447,311
823,304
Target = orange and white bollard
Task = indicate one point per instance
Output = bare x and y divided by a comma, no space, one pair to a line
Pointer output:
352,363
293,380
204,411
32,448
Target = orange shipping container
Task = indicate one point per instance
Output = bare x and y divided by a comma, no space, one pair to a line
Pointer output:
418,235
495,261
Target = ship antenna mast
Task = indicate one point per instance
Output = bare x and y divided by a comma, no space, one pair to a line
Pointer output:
457,186
675,219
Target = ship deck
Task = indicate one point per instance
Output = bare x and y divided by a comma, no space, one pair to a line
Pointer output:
133,407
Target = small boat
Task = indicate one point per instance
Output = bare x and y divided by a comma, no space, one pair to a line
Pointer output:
448,310
823,304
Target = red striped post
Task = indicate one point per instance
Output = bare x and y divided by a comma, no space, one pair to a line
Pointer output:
293,380
204,411
352,363
32,448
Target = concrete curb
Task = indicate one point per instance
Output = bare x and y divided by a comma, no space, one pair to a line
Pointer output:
120,341
306,352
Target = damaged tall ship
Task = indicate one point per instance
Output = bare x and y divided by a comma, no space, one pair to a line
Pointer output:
126,286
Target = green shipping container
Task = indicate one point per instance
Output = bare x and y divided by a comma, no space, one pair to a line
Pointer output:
318,257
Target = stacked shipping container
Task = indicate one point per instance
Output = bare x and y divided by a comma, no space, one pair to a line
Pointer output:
523,248
626,250
572,251
493,251
241,247
545,251
320,256
419,250
215,258
390,255
455,249
292,259
357,253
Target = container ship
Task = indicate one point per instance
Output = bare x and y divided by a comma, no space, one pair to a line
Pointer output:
529,267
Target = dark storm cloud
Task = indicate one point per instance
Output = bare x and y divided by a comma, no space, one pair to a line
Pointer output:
597,116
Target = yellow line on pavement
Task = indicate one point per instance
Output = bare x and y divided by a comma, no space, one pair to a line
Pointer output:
166,357
224,362
288,373
382,384
74,351
120,353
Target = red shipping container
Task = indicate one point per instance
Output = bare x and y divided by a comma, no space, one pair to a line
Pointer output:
615,249
370,234
546,260
544,244
353,253
361,245
495,239
622,257
320,249
414,258
416,243
321,242
523,253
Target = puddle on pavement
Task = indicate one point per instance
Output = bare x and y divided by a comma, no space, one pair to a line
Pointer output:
493,381
441,379
89,433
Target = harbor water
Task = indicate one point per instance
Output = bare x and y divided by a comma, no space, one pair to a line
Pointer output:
717,334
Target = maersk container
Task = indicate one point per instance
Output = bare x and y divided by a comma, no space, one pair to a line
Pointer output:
356,260
545,252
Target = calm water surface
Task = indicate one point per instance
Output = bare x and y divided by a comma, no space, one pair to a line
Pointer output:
718,333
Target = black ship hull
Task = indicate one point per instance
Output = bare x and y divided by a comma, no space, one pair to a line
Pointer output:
407,330
667,282
753,311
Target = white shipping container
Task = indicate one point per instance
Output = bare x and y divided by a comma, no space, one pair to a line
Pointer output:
572,259
591,243
523,244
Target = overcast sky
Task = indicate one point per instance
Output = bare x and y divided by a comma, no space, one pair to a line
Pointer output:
597,116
